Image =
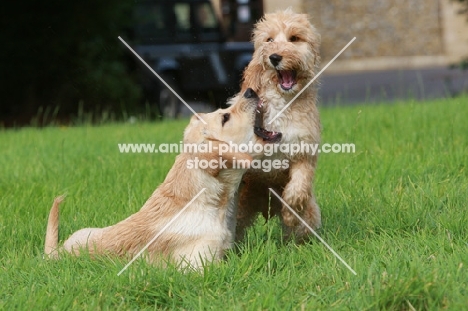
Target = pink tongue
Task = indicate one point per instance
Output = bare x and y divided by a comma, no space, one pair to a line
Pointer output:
287,80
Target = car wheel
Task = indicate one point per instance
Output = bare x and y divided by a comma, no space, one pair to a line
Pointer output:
169,104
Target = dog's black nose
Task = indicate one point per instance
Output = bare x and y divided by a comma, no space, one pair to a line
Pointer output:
275,59
249,93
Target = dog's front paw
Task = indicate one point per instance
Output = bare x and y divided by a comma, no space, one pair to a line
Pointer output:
309,213
289,219
312,218
298,201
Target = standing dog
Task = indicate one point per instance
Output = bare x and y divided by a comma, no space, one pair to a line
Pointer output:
204,230
286,58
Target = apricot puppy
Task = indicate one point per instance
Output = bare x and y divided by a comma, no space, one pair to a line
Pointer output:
286,58
205,229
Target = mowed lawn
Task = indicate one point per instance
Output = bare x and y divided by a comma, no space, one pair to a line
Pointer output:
396,211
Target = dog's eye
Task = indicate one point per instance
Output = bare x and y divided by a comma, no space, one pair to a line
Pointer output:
226,117
270,40
293,39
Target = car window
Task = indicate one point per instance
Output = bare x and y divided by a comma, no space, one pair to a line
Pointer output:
182,13
183,26
154,23
207,22
205,16
175,22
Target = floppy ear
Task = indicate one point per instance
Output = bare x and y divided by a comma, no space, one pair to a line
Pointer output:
314,42
193,133
252,74
316,50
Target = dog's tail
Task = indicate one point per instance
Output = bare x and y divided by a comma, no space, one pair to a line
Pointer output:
51,239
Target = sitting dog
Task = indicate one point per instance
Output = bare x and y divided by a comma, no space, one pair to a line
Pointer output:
204,230
286,58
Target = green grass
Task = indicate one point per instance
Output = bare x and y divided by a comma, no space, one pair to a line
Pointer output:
396,211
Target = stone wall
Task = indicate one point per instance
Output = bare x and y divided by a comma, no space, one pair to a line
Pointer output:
384,28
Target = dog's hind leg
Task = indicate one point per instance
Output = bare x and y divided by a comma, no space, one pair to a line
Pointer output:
88,239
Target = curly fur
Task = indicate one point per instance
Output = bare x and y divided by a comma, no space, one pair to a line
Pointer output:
296,43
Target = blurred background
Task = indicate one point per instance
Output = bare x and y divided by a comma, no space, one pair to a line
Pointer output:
62,62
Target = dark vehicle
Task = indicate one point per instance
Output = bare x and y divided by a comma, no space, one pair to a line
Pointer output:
184,43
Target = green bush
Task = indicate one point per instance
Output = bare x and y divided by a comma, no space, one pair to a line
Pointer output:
65,56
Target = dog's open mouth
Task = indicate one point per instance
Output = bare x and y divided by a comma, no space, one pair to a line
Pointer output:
268,136
287,79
